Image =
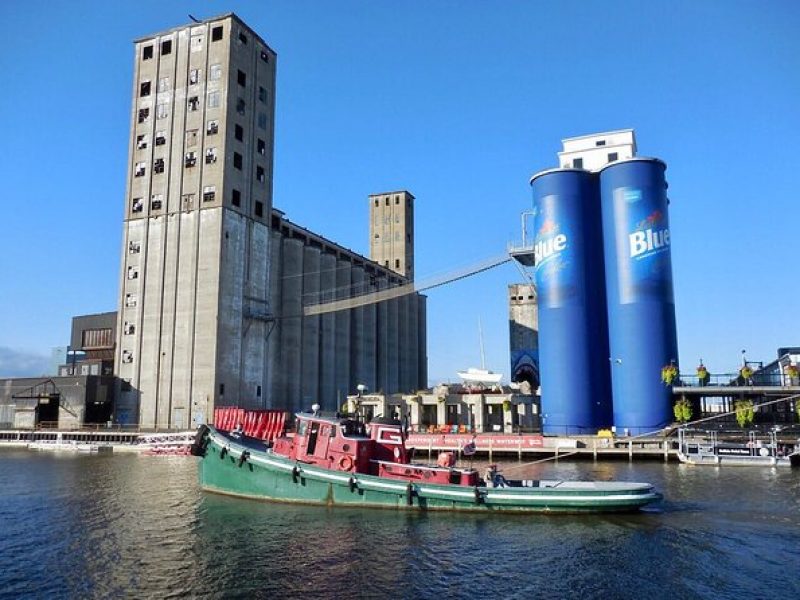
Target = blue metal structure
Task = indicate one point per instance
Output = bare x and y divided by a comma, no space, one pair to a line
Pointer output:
573,337
641,305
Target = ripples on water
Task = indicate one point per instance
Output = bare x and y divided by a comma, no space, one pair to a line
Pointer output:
131,526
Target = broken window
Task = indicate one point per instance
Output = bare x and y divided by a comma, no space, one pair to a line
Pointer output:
240,106
194,76
139,169
209,193
260,174
141,141
133,273
129,328
237,161
163,84
158,165
190,159
262,94
130,299
211,155
238,132
261,147
216,33
147,52
213,99
242,38
194,103
214,72
156,201
134,247
162,110
166,47
241,78
161,138
144,113
127,356
236,197
259,210
144,89
262,120
137,205
212,128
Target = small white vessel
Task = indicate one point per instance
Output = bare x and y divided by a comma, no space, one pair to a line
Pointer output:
475,377
709,450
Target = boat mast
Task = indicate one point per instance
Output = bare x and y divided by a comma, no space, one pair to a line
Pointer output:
480,337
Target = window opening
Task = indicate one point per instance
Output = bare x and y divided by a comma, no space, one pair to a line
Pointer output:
216,33
262,94
158,165
141,141
261,147
241,78
209,192
264,56
130,300
212,128
129,328
134,247
577,163
259,210
161,138
242,38
237,161
156,201
260,174
147,52
166,47
194,76
144,88
612,156
190,159
238,132
236,197
162,110
240,106
211,155
137,205
139,170
194,103
144,113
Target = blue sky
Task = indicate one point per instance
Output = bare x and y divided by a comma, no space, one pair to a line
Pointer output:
458,102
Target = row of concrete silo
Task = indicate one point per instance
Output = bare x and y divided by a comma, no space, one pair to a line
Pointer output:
322,358
606,306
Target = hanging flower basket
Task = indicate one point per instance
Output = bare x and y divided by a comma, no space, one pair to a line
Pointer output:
442,399
669,374
744,412
792,372
745,373
683,411
703,375
506,405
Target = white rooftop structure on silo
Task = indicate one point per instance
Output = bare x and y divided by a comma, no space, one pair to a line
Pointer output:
593,152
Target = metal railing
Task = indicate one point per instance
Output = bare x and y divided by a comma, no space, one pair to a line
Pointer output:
736,380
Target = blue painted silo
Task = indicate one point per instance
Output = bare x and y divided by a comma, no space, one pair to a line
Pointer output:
573,337
641,305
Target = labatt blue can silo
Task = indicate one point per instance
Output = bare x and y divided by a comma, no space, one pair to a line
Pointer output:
573,337
641,305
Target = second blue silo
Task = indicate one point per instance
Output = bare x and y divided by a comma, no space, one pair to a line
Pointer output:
573,338
641,305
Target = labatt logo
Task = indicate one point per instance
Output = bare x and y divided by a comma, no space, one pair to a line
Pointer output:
551,246
648,238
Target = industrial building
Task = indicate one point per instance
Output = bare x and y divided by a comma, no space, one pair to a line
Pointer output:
523,322
213,279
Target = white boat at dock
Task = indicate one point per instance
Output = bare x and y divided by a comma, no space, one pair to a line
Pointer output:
709,450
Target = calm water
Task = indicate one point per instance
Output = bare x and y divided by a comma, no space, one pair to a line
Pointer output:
131,526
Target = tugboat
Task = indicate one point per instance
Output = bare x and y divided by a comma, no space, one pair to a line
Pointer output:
342,461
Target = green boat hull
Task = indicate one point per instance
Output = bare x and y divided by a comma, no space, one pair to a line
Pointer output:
263,475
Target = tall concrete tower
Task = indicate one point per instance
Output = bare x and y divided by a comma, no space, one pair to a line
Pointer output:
391,231
193,320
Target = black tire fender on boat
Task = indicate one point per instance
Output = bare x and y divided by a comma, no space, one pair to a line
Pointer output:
243,458
478,496
200,443
295,474
223,452
410,494
352,483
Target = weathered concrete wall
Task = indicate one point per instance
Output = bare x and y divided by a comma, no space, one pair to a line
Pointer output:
327,335
290,370
311,330
344,366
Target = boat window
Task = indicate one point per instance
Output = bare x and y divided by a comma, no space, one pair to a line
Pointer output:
333,430
301,428
312,437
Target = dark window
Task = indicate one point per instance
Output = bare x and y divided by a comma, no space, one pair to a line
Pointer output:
241,78
264,56
262,94
397,200
190,159
144,88
194,103
577,163
212,128
158,165
387,202
238,132
236,197
242,37
137,205
259,209
396,263
144,113
147,53
240,106
209,193
258,391
261,147
612,156
156,204
141,142
221,389
260,174
161,139
376,203
600,143
166,47
216,33
237,160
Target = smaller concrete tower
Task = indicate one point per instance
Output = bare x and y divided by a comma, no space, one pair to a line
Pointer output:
391,231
